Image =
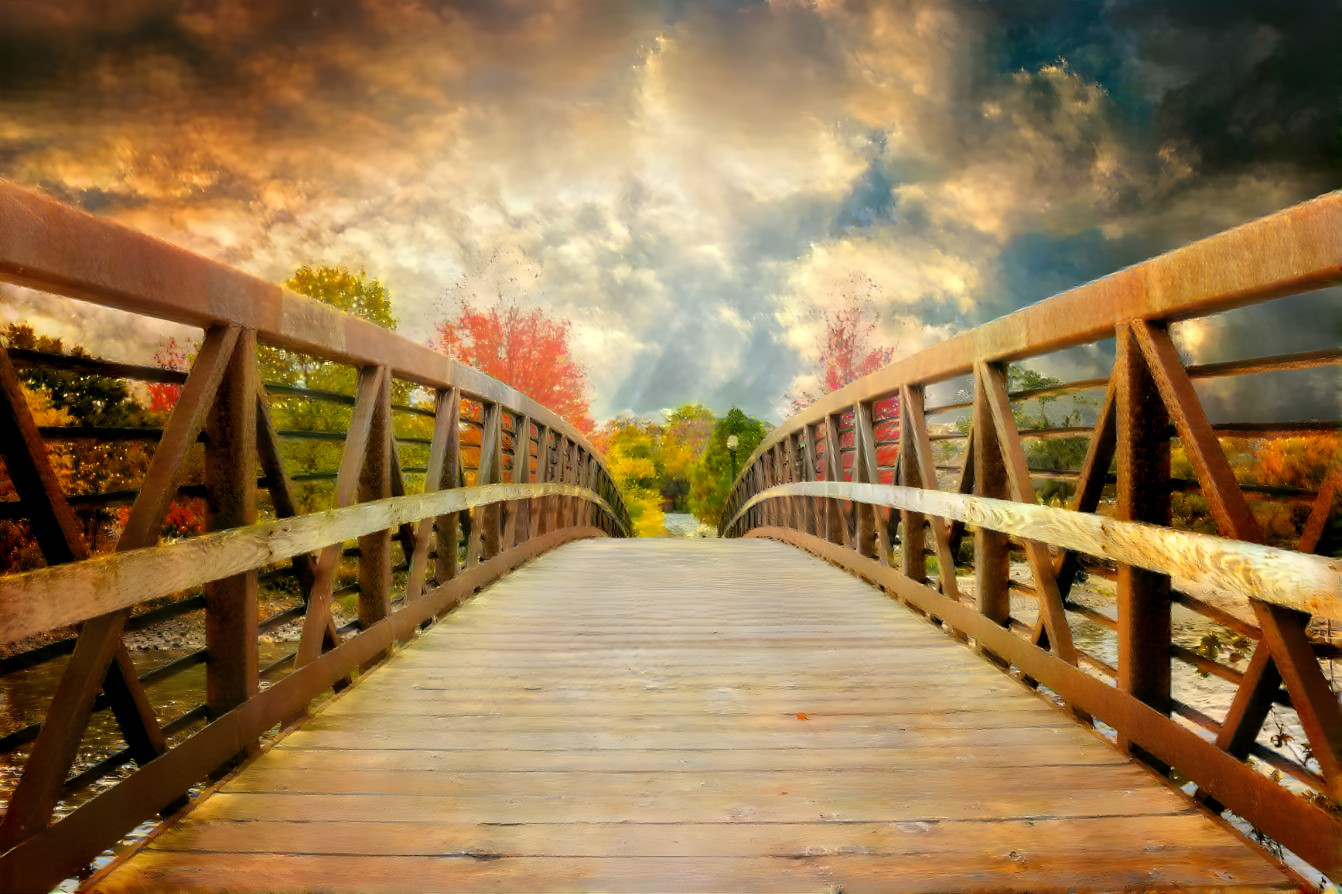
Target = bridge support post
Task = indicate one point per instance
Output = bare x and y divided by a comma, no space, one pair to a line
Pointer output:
1143,495
375,484
991,575
230,484
447,560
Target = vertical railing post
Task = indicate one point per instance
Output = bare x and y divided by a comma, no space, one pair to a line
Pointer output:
541,514
912,541
521,475
230,499
375,484
1143,451
991,574
447,418
836,524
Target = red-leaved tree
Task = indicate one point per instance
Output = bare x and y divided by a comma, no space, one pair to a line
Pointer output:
850,350
525,348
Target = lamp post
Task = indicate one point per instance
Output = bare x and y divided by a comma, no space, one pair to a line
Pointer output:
732,443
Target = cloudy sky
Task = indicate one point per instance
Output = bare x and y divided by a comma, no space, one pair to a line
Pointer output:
689,181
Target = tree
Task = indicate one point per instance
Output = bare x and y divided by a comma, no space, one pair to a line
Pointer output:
682,443
91,401
711,479
524,348
364,297
631,456
850,349
18,548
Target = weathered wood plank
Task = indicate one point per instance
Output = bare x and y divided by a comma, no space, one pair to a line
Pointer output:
768,759
39,861
107,583
787,873
1229,568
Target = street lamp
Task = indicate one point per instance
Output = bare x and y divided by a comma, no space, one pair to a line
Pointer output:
732,443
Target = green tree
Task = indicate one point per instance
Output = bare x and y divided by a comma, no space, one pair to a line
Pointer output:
1045,411
366,298
710,481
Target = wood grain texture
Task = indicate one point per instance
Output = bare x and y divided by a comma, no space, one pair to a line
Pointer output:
1299,824
659,715
1230,568
108,582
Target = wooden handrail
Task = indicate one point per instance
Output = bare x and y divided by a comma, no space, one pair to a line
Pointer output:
1292,251
53,247
1222,567
114,581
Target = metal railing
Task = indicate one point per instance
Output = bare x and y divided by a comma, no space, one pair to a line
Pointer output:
863,479
502,480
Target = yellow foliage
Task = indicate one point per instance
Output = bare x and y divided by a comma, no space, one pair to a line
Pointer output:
39,404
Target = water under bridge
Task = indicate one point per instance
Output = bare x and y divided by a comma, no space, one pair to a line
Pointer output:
896,671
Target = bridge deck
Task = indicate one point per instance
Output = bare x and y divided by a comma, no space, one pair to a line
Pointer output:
690,715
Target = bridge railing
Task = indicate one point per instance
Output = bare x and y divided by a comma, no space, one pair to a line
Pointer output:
947,517
421,481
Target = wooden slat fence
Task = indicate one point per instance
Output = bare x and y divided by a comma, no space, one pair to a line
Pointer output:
863,479
434,480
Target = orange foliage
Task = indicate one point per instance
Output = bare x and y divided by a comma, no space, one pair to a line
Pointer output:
524,348
163,395
1300,461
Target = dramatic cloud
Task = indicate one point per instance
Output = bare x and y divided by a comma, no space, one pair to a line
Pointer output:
691,183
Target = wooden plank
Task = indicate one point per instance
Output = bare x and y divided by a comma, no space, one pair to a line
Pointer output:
689,760
230,480
1299,825
42,859
1143,447
1225,567
1082,835
787,873
106,583
480,743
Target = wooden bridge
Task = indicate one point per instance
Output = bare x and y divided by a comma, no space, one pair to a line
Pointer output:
810,705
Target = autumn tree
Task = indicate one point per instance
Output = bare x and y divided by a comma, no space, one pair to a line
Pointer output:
683,439
850,348
631,448
711,479
527,349
86,400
